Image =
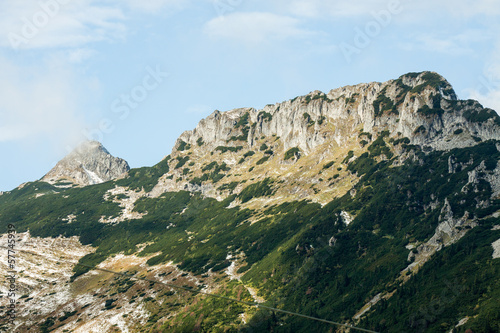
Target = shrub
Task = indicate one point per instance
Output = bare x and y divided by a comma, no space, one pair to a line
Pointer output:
420,129
181,161
383,103
350,154
426,110
307,117
265,116
263,160
481,116
291,153
328,165
183,146
230,186
224,149
249,153
259,189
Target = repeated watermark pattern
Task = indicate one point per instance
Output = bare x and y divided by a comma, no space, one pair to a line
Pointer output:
488,84
365,35
223,7
124,104
35,24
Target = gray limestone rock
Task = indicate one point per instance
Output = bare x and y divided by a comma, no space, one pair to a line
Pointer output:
88,164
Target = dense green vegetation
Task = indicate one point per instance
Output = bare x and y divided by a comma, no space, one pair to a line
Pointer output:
432,80
482,116
223,149
319,96
308,119
244,125
259,189
265,116
213,172
262,160
382,103
183,146
292,153
328,165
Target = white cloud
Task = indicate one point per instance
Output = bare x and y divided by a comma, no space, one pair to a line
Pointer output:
420,9
199,109
77,56
37,102
34,24
31,24
255,27
317,8
155,5
454,44
487,90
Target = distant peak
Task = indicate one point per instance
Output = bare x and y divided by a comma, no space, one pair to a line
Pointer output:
89,163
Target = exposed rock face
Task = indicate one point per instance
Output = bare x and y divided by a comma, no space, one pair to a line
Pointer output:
301,137
420,106
496,249
88,164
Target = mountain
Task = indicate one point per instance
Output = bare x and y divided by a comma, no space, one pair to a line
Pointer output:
375,205
89,164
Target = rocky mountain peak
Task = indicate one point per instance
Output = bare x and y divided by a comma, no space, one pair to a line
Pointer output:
90,163
422,107
316,138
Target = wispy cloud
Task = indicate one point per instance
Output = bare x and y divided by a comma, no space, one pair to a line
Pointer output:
319,8
487,90
155,5
452,44
420,9
199,109
255,28
37,102
33,24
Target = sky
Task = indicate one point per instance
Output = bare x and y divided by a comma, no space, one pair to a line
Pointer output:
135,74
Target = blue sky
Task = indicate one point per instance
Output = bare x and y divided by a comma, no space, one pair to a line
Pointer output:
136,73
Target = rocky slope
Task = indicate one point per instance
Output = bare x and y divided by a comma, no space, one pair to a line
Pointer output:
308,138
90,163
361,205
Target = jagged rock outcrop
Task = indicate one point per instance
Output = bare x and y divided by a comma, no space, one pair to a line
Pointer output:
335,128
420,106
88,164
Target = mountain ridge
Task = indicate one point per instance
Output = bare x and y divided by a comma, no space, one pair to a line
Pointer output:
340,217
89,163
372,106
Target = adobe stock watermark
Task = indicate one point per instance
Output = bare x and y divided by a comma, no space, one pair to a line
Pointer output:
488,83
365,35
34,25
123,105
222,7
